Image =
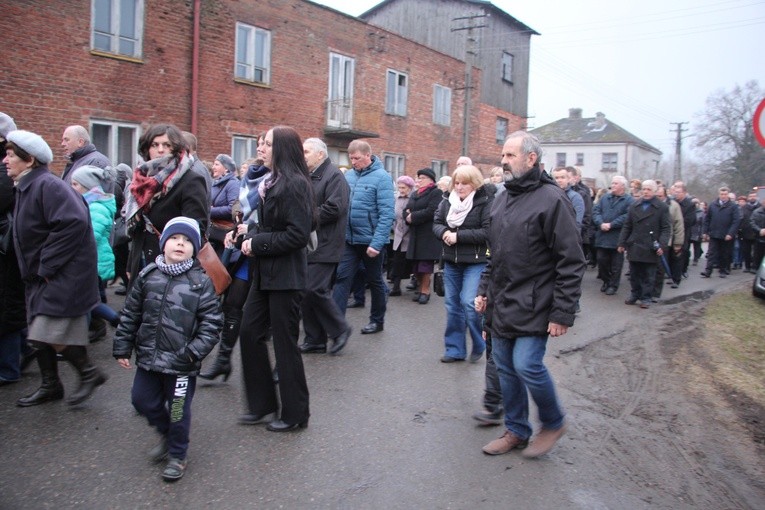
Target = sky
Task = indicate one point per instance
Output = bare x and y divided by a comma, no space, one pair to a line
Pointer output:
643,64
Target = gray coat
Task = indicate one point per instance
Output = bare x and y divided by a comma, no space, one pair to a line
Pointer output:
172,322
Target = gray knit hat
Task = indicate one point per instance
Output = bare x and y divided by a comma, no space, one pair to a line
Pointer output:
227,162
33,144
6,125
90,176
182,225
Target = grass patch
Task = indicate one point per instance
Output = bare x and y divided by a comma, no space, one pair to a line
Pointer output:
734,325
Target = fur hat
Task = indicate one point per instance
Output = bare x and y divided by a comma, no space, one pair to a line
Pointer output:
227,162
428,173
181,225
6,125
33,144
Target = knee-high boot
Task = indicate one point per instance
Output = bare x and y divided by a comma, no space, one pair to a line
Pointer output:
51,387
90,376
222,363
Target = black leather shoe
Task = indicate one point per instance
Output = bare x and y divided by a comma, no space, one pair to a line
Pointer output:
706,274
280,426
423,299
416,296
370,328
256,419
307,348
610,291
355,304
604,287
395,292
340,341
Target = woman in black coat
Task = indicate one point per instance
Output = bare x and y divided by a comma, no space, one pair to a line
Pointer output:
166,186
56,251
424,247
278,274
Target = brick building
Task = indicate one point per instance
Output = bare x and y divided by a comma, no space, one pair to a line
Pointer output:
227,70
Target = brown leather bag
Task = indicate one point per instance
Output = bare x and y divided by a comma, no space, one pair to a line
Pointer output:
214,268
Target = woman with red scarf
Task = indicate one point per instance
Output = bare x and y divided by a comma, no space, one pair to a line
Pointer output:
166,186
424,247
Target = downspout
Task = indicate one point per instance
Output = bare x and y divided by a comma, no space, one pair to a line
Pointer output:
195,68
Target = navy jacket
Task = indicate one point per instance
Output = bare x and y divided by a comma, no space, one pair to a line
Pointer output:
722,219
610,209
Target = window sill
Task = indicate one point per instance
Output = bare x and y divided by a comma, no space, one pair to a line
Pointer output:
116,56
260,85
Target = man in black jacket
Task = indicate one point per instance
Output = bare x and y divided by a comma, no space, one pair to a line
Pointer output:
720,227
321,317
533,280
688,208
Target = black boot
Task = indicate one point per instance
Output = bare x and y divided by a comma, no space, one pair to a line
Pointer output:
396,290
51,388
96,330
222,363
90,376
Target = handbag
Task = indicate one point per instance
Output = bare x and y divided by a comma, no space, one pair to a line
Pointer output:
214,268
218,229
438,283
119,235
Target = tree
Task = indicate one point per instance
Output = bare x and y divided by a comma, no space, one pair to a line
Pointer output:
725,135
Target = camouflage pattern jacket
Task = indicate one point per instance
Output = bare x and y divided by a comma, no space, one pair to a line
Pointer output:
172,322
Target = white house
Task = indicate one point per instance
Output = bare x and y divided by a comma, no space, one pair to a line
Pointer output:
597,146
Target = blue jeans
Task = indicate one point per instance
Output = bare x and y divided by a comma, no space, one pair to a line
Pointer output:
520,366
460,288
346,270
10,355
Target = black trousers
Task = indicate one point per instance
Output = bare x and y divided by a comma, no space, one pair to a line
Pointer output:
720,254
281,310
642,277
321,317
165,401
610,264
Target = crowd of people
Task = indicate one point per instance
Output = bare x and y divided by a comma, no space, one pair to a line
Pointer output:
301,241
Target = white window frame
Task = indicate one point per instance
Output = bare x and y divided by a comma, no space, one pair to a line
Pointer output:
112,149
442,105
395,164
440,167
500,129
245,66
114,34
507,66
243,148
560,159
580,159
610,162
340,90
396,94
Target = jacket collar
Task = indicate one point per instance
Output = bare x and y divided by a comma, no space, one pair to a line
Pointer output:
28,179
82,151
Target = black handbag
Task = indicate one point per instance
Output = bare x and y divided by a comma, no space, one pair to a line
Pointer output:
438,283
119,235
6,233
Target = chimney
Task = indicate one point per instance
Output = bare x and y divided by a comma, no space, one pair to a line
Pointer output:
574,113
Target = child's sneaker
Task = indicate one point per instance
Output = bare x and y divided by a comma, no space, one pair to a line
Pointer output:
174,469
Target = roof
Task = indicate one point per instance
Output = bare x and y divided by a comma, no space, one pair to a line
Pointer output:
483,3
574,129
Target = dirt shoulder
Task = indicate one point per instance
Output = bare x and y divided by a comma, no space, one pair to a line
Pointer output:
674,407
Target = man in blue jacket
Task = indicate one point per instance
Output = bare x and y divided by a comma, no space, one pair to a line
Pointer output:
609,216
720,228
370,218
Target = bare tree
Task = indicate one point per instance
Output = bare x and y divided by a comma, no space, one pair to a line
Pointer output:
725,135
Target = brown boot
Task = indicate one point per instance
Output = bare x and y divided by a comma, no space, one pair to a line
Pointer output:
544,442
504,444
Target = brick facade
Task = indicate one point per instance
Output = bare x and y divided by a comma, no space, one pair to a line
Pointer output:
52,78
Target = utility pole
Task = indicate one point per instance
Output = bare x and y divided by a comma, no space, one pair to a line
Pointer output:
677,175
470,52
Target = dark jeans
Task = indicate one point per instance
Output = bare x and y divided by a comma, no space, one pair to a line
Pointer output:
697,250
321,318
355,253
642,277
165,401
281,310
492,395
745,252
610,264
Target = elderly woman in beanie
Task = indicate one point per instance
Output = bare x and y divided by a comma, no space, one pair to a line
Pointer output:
224,193
424,247
89,181
400,266
56,250
164,187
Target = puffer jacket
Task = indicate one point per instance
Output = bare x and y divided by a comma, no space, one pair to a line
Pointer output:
472,235
102,207
371,212
172,322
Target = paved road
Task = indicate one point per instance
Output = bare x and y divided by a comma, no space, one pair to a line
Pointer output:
390,428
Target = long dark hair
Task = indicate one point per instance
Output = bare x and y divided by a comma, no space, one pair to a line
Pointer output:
174,135
288,164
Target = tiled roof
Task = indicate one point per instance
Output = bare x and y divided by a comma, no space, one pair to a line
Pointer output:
573,130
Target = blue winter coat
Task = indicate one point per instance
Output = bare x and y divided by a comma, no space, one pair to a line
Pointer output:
371,212
102,208
225,191
610,209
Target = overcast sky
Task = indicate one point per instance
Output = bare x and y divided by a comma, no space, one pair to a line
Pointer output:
644,64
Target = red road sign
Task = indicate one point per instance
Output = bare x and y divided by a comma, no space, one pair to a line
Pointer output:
759,123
